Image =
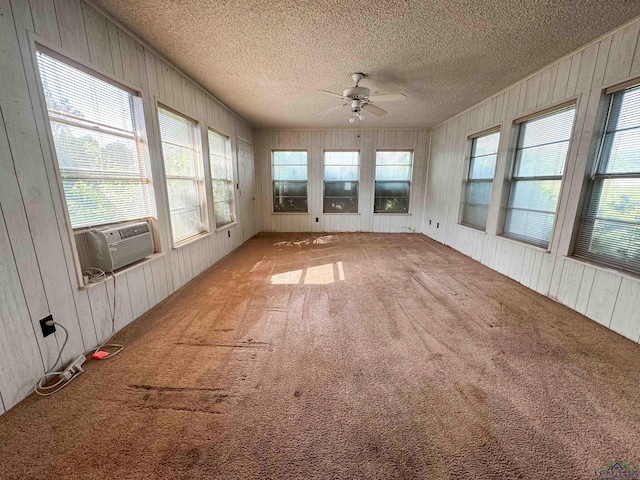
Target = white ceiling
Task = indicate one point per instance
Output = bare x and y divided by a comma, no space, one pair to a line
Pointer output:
267,59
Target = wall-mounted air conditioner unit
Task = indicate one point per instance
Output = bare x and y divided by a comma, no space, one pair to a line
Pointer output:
119,245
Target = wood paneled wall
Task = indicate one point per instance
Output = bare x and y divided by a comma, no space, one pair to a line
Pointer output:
315,142
37,269
604,295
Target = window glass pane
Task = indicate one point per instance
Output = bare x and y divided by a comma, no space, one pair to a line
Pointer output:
535,194
393,172
475,215
609,229
482,167
289,172
100,143
531,227
479,193
398,157
221,179
623,152
289,158
626,109
340,173
179,161
182,157
392,181
74,94
341,158
545,160
485,145
555,127
341,197
391,197
479,184
290,196
543,144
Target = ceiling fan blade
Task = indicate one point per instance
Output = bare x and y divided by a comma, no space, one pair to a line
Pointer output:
373,109
331,93
332,109
392,97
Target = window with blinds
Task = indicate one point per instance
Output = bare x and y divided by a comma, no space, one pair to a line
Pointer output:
341,173
609,227
183,171
392,181
543,144
479,181
101,145
221,179
289,173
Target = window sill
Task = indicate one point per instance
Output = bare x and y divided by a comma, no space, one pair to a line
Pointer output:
391,214
290,213
475,229
524,244
124,270
190,240
333,213
226,227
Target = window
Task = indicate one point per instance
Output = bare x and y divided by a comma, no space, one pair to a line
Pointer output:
101,145
221,179
543,143
479,182
289,173
341,171
393,181
183,170
609,230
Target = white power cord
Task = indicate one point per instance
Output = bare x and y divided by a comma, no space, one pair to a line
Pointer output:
66,376
100,274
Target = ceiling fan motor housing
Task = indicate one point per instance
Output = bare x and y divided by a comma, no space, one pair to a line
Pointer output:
356,92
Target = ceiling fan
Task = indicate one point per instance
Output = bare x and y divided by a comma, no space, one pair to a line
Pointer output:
359,99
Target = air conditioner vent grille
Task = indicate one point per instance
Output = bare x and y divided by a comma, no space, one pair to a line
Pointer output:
133,231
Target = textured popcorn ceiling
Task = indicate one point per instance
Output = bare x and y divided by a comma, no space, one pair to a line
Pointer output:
267,59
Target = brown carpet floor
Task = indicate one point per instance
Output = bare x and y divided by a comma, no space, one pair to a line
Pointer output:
342,356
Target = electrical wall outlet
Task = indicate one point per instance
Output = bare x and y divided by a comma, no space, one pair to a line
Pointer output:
47,329
229,233
317,219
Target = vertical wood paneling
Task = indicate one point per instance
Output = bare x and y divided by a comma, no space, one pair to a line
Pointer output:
603,295
37,271
45,22
97,38
71,27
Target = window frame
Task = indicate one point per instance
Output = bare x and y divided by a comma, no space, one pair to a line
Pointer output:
324,182
273,205
136,110
515,139
411,152
200,179
229,160
600,149
471,139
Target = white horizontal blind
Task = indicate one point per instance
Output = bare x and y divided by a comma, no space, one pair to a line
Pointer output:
341,173
183,170
479,182
101,146
543,144
289,172
609,229
221,179
392,181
